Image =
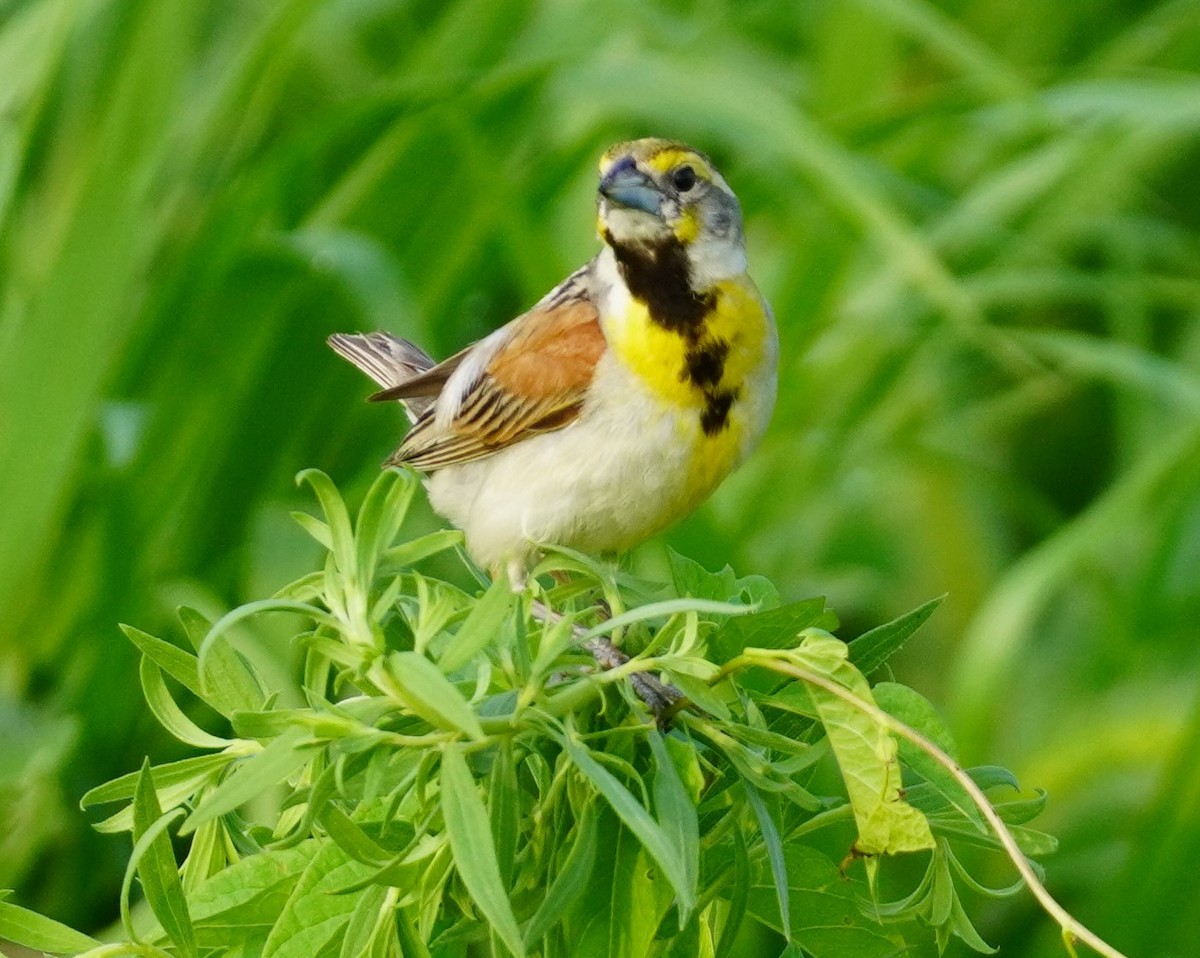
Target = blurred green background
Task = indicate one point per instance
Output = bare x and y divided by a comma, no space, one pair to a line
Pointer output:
978,222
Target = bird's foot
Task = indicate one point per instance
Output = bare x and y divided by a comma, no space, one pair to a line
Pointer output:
662,699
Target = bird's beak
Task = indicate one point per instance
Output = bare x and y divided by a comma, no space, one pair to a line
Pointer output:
627,186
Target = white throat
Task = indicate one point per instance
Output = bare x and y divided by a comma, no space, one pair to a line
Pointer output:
715,259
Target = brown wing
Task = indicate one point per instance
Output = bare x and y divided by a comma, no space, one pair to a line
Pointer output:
527,378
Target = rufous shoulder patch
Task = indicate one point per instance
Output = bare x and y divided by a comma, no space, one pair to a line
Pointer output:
551,353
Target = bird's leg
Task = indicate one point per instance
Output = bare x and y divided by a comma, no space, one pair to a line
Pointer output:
661,698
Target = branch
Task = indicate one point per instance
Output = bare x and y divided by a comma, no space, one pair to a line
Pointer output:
662,699
1072,928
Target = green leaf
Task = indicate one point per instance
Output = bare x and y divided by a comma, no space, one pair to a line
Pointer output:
379,518
304,589
554,640
187,772
988,777
775,855
739,892
411,946
422,687
825,917
179,782
1020,811
253,776
917,903
701,694
871,649
252,890
773,629
676,814
1033,843
356,843
481,626
156,865
207,855
639,821
470,834
865,752
504,803
209,655
38,933
315,528
180,665
962,926
168,713
915,711
234,683
365,920
761,773
692,581
338,519
570,881
619,917
987,891
386,600
941,893
399,557
326,721
315,916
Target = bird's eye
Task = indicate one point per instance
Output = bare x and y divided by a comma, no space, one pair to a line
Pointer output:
683,178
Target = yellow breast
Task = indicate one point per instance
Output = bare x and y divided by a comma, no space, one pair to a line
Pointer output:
721,374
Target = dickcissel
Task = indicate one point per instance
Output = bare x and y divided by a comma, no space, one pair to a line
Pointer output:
616,404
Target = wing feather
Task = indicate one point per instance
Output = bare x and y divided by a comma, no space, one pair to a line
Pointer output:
429,382
398,365
529,377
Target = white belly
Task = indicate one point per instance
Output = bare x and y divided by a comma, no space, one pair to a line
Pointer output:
619,473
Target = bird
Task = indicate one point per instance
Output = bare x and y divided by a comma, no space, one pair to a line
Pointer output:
618,402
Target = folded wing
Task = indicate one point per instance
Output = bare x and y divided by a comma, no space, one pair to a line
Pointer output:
528,377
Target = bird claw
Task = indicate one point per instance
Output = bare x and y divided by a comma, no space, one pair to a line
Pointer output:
662,699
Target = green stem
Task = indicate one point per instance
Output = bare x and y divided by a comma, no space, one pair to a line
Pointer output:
1072,928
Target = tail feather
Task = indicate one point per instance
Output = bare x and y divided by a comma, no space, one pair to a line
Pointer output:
389,360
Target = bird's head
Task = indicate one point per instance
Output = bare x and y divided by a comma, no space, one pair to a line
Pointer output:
655,194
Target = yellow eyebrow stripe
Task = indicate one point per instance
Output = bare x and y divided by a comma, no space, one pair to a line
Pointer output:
668,159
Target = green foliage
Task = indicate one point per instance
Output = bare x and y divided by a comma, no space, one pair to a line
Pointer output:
976,221
443,794
36,931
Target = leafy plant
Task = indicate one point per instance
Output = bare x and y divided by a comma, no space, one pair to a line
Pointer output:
459,779
977,223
